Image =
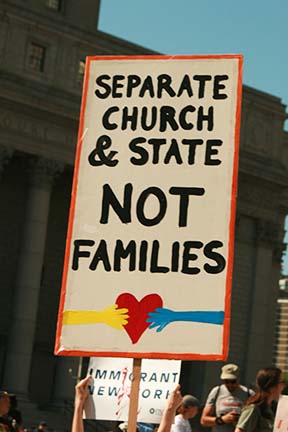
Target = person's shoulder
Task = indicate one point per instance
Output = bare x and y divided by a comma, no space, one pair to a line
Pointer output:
247,390
178,419
249,414
213,395
250,408
215,389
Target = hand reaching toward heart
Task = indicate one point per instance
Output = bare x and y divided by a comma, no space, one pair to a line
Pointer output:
135,316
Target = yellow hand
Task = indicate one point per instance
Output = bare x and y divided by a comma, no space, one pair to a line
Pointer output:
115,317
111,316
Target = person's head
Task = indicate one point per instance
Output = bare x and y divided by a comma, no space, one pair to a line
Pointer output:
230,375
42,426
189,406
270,383
4,402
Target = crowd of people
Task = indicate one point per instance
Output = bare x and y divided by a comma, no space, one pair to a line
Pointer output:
230,406
233,407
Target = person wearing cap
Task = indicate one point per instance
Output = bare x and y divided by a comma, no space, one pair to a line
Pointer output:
188,409
224,402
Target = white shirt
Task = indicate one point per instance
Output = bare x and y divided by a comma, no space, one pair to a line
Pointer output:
181,424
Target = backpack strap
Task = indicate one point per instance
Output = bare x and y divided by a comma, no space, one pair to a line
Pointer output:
217,394
216,397
249,392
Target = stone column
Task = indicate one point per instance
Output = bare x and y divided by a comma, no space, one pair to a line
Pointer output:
28,275
261,334
242,290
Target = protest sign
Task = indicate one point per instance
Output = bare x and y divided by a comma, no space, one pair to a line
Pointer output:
281,418
149,253
109,392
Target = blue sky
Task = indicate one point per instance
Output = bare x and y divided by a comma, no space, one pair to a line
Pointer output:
257,29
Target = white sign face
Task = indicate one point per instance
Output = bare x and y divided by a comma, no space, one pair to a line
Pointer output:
109,392
149,252
281,418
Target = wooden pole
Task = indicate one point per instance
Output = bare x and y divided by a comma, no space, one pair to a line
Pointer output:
134,395
79,371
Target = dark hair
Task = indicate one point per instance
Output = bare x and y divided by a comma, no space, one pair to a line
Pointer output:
266,379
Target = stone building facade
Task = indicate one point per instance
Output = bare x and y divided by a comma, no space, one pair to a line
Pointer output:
43,45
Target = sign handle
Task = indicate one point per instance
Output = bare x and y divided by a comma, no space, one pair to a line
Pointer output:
134,395
79,371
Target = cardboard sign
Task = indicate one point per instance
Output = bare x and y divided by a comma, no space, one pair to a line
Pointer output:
109,392
281,418
149,252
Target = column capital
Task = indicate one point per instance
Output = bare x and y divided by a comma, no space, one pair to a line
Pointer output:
5,155
271,234
278,252
268,232
284,200
43,171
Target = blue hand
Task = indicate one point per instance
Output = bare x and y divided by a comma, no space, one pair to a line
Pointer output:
161,317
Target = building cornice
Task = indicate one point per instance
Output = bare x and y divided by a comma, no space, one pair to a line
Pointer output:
59,27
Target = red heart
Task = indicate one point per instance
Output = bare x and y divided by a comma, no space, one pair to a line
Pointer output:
138,312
